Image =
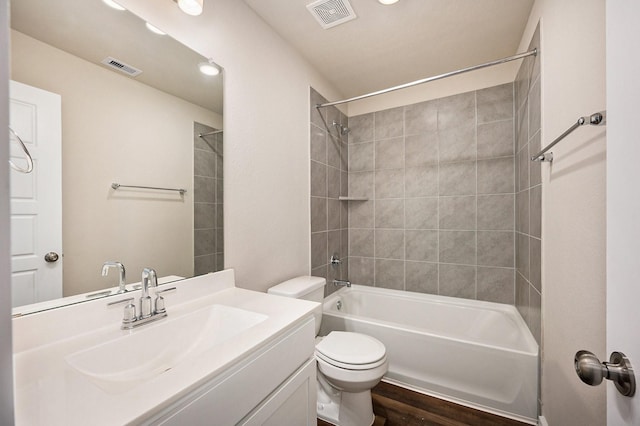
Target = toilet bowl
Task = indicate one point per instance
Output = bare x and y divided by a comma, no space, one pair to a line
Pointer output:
349,364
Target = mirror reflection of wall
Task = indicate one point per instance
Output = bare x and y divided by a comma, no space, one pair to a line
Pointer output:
208,244
116,128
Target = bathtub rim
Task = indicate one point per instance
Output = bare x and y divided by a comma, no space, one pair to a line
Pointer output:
533,347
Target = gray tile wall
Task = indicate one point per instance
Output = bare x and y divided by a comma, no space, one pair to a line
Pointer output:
208,225
329,180
529,192
440,181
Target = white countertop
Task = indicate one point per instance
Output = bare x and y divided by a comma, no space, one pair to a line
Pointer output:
48,391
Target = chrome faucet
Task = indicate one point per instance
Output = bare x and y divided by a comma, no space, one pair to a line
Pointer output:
149,278
343,283
105,271
149,310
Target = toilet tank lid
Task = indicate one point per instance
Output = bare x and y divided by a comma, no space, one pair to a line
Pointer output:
298,287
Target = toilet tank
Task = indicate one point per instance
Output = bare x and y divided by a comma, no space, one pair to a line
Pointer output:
304,287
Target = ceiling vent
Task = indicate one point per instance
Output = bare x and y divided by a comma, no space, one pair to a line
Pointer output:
330,13
121,66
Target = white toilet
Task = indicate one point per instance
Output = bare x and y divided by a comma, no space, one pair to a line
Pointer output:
349,364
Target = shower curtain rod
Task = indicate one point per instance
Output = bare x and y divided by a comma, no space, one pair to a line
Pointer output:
533,52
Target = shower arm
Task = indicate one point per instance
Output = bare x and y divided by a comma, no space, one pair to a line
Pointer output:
343,130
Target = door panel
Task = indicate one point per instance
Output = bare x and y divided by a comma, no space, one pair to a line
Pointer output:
36,198
623,201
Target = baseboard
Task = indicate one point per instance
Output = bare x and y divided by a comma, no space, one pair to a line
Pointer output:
542,421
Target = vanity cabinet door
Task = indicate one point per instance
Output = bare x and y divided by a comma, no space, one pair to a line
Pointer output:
229,398
293,403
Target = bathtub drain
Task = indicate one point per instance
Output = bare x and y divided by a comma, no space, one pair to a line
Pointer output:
339,305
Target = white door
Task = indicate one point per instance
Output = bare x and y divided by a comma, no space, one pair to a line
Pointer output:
36,198
623,200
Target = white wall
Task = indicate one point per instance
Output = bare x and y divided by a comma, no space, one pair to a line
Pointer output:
573,233
266,122
115,129
6,355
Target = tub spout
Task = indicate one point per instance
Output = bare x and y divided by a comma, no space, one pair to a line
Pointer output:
339,283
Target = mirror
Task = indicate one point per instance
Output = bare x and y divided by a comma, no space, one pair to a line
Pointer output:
159,129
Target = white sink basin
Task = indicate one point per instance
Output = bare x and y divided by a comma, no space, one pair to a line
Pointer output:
123,363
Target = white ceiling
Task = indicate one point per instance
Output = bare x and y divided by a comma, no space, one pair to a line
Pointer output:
92,31
390,45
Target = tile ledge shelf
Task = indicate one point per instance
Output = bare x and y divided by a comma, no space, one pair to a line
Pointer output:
342,198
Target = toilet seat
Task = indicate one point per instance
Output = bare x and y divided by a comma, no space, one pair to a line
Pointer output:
352,351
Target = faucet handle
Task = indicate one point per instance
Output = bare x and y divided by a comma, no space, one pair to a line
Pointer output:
129,314
160,307
129,310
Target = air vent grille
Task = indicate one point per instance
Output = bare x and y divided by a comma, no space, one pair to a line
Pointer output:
121,66
330,13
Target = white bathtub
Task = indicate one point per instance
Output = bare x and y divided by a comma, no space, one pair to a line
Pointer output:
478,354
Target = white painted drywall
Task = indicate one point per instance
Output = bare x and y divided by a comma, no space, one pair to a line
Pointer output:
115,129
6,354
266,122
573,206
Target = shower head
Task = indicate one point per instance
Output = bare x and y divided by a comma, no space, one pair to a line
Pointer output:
343,130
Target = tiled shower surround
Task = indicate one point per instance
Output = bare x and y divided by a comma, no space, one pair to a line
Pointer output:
329,180
439,178
452,201
207,196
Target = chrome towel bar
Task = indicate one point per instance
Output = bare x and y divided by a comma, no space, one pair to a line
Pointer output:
117,185
595,119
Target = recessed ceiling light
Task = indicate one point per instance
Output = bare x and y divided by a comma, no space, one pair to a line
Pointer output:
113,4
208,68
154,29
387,2
191,7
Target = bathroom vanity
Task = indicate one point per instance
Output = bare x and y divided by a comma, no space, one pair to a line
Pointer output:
223,355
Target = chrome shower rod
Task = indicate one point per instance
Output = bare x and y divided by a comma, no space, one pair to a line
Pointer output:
533,52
